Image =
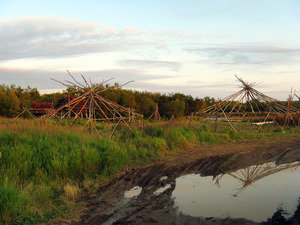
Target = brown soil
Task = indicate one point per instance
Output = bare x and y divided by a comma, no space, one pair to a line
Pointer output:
108,206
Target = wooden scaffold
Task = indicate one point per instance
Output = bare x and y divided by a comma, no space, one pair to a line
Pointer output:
246,105
95,107
294,117
27,111
37,109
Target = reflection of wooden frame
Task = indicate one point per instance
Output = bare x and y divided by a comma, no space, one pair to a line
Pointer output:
251,174
94,105
259,105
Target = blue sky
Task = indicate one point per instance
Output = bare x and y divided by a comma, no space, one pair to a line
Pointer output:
194,47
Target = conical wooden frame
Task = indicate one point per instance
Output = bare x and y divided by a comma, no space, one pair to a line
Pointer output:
247,103
94,106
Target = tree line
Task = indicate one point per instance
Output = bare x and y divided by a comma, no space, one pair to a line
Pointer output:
14,98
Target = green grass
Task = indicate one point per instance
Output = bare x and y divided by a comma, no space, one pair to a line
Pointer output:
12,204
45,166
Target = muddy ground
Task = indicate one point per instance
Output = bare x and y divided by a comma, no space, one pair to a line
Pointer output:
108,205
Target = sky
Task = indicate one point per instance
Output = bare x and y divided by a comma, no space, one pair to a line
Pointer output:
194,47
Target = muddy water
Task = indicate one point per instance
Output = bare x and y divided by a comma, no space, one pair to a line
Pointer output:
133,192
196,192
254,193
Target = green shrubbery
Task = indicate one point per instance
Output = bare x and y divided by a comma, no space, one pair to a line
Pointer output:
14,98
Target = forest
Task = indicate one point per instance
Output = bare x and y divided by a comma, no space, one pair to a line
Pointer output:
14,98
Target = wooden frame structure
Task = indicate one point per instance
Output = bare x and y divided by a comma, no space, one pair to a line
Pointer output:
247,104
156,116
95,107
25,110
292,117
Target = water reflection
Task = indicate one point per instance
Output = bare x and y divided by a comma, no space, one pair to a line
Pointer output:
253,193
253,173
162,189
133,192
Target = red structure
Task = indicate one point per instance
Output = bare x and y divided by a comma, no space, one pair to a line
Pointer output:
41,107
76,106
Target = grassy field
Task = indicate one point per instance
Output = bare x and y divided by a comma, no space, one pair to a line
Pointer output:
45,167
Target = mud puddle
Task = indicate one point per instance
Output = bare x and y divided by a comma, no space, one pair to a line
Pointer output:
253,193
227,189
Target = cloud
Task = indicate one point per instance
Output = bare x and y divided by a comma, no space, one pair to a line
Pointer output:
214,84
143,82
174,66
212,89
53,36
56,37
207,89
241,55
49,91
186,37
32,78
41,78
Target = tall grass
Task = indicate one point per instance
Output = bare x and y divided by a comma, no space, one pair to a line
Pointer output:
44,167
12,204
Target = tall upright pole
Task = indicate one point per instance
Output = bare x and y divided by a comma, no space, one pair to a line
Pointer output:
91,111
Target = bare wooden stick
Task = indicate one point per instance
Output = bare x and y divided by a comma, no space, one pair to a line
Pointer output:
75,79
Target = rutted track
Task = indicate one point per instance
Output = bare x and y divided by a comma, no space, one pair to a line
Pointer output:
108,205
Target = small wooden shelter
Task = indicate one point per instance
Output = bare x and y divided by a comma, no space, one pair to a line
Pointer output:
248,104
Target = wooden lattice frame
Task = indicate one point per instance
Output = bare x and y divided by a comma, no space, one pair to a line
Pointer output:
24,111
259,104
95,106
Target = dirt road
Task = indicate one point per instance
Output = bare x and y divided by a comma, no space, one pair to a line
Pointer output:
108,205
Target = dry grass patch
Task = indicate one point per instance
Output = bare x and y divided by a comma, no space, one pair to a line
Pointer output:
72,191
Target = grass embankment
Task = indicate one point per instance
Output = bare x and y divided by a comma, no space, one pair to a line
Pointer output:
45,168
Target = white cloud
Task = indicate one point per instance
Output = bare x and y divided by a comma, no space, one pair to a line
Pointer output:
35,49
47,36
150,64
239,55
57,37
41,78
49,91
